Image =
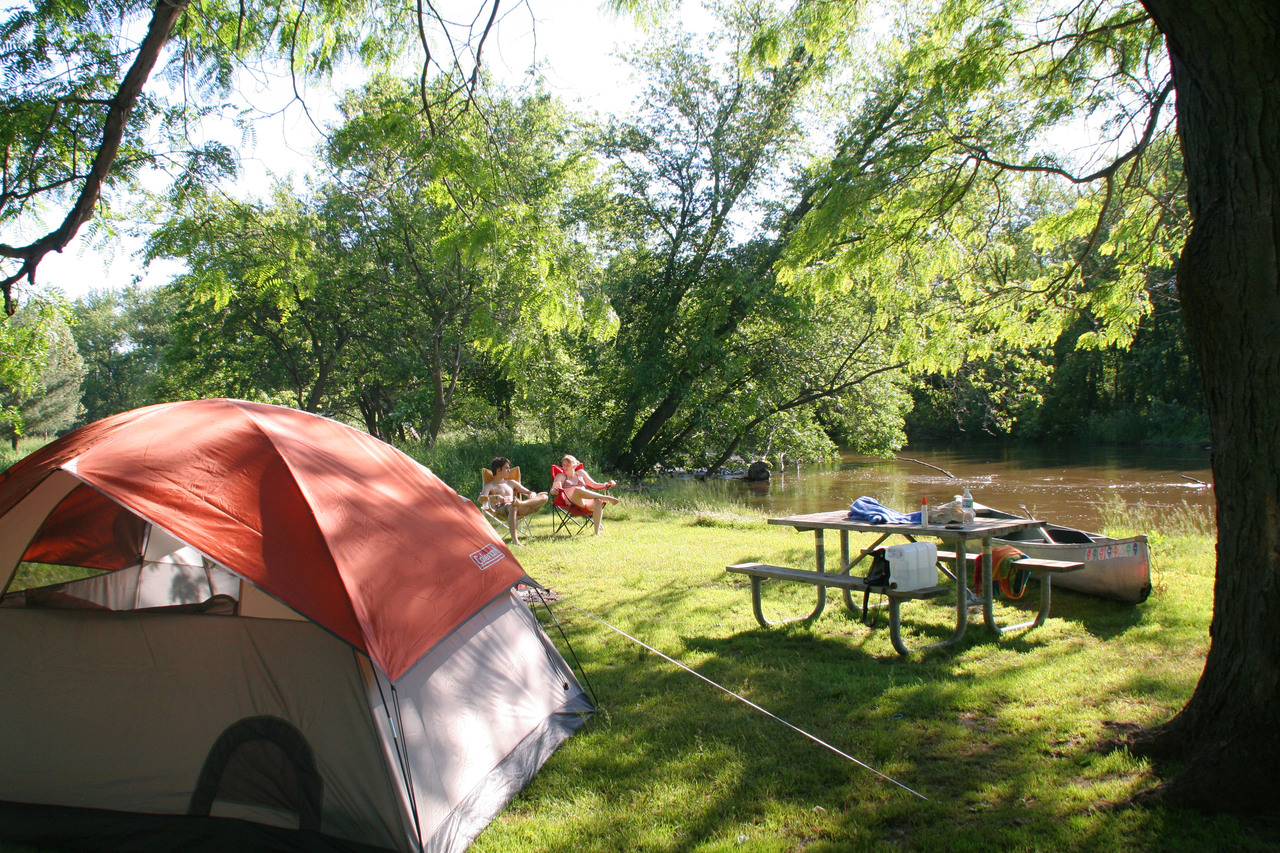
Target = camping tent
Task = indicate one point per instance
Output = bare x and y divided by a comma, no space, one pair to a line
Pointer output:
295,626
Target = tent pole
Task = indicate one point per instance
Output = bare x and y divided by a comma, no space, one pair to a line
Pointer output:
397,732
537,588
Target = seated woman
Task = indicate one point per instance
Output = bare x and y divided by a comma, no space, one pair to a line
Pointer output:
573,486
503,489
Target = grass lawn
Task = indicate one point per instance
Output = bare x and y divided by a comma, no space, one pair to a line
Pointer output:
1000,735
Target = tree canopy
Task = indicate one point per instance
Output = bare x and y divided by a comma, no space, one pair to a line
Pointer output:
99,93
421,257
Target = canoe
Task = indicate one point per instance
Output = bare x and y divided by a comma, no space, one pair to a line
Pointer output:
1118,569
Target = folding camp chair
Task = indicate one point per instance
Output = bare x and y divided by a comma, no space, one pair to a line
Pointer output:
567,516
498,515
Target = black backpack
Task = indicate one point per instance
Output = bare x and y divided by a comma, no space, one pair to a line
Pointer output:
877,576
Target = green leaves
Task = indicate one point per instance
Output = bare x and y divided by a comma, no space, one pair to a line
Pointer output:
712,358
40,371
81,114
122,336
423,260
949,209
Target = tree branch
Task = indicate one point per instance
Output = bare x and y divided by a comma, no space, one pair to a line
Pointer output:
1148,133
163,19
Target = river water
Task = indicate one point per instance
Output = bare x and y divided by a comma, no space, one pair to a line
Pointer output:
1064,484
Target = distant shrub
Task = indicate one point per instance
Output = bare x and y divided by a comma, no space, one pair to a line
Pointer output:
458,457
1163,424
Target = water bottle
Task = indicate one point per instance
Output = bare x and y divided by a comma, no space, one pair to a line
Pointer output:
924,511
967,507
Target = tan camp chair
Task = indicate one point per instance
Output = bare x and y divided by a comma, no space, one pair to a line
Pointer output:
498,515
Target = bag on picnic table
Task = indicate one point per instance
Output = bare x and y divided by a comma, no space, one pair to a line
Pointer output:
879,574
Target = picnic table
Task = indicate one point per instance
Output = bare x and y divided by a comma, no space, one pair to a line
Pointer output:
955,536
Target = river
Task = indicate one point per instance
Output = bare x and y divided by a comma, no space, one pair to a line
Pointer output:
1064,484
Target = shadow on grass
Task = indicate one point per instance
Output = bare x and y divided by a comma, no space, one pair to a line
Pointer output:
1103,619
998,733
989,731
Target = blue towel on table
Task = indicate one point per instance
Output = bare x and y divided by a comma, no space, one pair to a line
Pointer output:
871,511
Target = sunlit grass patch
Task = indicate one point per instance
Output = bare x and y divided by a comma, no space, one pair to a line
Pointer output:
26,446
1000,734
724,518
35,575
1180,520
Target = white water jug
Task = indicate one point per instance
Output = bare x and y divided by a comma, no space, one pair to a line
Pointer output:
912,566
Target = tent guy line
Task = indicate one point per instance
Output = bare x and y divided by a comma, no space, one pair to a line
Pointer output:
538,590
746,701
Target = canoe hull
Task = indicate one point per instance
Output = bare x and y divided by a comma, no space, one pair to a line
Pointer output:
1118,569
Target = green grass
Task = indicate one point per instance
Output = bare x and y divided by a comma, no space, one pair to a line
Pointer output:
35,575
26,446
1000,735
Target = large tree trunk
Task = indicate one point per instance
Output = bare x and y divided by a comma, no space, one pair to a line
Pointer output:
1226,65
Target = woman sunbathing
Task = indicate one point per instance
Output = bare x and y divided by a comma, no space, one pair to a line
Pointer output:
572,486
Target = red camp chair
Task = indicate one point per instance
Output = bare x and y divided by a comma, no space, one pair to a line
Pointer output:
565,514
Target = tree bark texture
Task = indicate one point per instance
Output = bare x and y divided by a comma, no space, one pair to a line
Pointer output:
1226,67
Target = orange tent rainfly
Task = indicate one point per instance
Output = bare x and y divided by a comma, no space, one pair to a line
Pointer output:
354,534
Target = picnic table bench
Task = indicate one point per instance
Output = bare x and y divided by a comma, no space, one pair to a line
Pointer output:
760,571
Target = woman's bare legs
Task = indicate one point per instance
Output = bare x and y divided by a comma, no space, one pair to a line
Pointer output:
594,501
582,496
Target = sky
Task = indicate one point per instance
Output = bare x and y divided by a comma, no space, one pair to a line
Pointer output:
575,42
